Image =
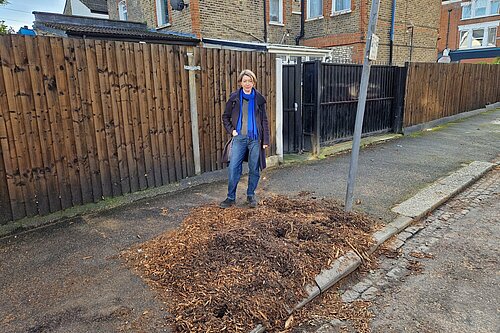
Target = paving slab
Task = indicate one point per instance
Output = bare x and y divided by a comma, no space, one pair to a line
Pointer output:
434,195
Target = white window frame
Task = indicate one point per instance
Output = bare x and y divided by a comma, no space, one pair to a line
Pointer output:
309,17
162,13
122,10
479,26
494,37
466,4
341,11
489,9
280,13
473,8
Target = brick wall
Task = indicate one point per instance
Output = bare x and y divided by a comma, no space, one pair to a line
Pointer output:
234,20
455,16
145,11
421,16
137,11
243,20
351,28
182,20
342,53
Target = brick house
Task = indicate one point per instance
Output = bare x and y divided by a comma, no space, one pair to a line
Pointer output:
469,29
339,25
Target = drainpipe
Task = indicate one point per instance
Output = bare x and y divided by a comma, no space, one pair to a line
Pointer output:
393,21
302,16
265,22
448,30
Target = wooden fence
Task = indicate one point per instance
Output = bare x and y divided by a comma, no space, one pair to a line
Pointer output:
82,120
435,91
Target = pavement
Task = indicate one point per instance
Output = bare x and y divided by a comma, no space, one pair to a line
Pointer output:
442,274
68,277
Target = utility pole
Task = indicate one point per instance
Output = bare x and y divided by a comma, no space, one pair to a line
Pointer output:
370,53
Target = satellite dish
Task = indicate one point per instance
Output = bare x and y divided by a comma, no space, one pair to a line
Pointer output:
177,4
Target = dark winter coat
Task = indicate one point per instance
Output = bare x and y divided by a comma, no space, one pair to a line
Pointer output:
232,113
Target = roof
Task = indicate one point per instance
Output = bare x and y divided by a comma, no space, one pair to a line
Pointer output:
91,27
479,53
100,6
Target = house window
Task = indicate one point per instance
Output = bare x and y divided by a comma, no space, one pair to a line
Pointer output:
466,11
122,10
341,6
314,8
478,8
162,12
495,7
492,37
477,38
464,39
276,11
478,35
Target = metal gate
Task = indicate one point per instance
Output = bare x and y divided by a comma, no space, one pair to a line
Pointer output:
292,108
330,96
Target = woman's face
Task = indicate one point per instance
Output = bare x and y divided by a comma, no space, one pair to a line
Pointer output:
247,84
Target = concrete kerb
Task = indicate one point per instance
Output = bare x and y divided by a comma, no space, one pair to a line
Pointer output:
445,188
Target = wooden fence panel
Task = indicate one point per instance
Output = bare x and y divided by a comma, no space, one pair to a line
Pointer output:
63,116
436,90
87,124
156,110
178,71
76,112
20,157
165,113
173,110
34,158
82,120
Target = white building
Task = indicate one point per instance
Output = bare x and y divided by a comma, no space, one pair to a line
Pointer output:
92,8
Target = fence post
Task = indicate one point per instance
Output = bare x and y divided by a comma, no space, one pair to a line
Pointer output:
299,131
399,97
279,109
193,106
317,102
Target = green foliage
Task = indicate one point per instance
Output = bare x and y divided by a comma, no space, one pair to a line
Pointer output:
497,61
3,27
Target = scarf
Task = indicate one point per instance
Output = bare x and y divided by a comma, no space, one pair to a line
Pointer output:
252,132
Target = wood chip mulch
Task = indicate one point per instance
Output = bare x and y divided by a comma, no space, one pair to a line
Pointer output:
227,270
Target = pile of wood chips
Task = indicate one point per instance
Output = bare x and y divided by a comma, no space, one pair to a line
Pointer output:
227,270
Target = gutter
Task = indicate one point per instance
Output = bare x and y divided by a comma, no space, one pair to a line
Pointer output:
302,28
265,22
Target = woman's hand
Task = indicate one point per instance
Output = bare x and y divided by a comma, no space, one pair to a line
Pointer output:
264,146
235,133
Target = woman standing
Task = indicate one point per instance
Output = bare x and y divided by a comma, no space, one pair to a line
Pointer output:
245,119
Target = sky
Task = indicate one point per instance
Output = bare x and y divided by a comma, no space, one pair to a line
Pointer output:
18,13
